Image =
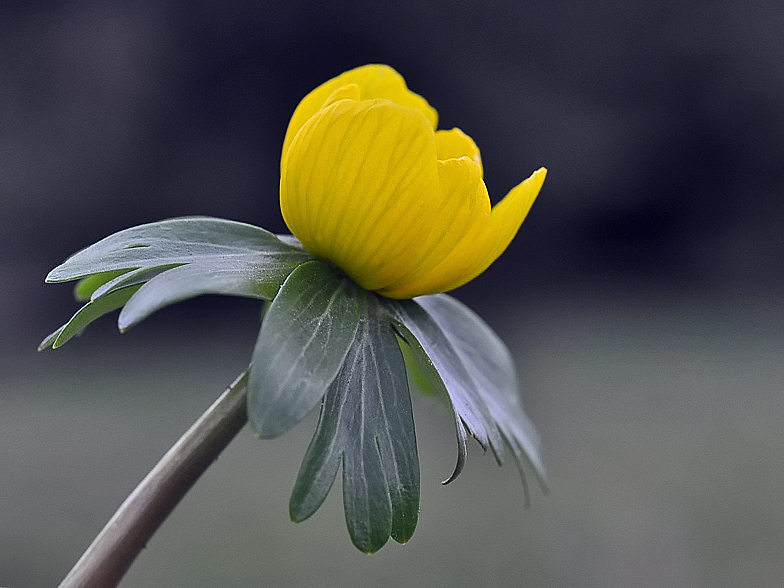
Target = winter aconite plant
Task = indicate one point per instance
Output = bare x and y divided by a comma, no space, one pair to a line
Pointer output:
386,214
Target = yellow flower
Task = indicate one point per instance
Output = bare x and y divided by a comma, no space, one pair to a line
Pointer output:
369,184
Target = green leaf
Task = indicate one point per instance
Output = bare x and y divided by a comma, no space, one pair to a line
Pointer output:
85,287
303,341
461,387
491,366
366,422
175,242
477,370
424,375
233,277
178,259
87,314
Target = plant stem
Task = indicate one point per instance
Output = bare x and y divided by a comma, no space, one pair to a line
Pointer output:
125,535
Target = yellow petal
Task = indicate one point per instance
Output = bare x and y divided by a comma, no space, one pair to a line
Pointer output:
488,237
373,81
483,246
360,187
347,92
464,201
454,144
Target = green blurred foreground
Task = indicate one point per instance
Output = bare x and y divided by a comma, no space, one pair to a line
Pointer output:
663,429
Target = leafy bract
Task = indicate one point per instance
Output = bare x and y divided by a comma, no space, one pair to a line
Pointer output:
491,366
456,378
422,373
323,339
171,261
366,423
87,314
303,341
476,371
85,287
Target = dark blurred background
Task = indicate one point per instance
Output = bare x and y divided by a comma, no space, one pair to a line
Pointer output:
641,297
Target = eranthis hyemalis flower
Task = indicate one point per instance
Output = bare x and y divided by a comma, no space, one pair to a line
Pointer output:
391,213
368,183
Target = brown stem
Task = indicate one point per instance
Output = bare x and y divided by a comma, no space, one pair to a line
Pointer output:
125,535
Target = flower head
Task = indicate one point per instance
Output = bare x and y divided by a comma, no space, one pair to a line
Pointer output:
368,183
